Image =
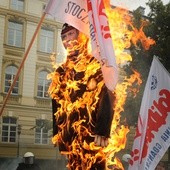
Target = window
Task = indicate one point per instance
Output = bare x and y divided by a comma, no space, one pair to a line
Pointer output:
41,131
15,34
9,129
17,5
43,84
10,73
46,40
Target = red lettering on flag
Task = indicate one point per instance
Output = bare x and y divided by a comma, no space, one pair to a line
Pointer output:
156,119
157,115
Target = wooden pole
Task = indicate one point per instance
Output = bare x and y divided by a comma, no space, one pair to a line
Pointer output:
22,63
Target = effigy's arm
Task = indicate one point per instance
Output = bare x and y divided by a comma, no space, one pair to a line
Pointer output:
54,110
105,113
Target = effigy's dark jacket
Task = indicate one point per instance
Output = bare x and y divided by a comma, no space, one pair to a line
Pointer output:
96,116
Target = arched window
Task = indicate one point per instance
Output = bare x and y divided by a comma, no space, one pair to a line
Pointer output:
10,73
43,84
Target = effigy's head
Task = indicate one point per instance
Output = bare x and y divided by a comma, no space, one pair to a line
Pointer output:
69,35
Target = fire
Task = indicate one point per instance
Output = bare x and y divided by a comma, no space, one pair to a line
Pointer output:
119,132
122,36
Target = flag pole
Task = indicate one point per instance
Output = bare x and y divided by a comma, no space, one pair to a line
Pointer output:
22,63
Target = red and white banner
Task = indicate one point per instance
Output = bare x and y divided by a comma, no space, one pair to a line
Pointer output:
101,40
152,137
89,17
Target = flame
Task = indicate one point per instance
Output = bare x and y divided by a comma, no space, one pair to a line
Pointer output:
119,132
120,21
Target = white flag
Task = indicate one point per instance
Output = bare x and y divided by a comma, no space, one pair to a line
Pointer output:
72,12
93,22
152,137
101,39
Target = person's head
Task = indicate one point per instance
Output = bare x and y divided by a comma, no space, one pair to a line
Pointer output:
126,157
69,34
29,158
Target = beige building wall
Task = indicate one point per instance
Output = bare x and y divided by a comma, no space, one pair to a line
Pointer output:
4,3
30,65
26,107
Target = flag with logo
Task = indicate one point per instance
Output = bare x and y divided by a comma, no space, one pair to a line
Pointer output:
72,12
89,17
152,137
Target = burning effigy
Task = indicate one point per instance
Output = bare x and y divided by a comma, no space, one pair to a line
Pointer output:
82,101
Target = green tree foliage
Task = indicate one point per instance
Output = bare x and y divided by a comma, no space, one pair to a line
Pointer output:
159,30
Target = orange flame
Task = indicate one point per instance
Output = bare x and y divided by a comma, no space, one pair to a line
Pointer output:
119,21
119,132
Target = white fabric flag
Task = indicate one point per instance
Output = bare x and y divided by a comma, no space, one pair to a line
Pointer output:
152,137
72,12
101,40
93,22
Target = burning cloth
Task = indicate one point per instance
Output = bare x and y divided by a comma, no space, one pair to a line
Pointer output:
82,107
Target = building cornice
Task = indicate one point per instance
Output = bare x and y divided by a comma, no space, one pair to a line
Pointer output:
27,17
28,108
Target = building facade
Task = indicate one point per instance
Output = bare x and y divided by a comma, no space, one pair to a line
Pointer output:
26,122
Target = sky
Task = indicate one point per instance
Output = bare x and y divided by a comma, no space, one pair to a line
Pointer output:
133,4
